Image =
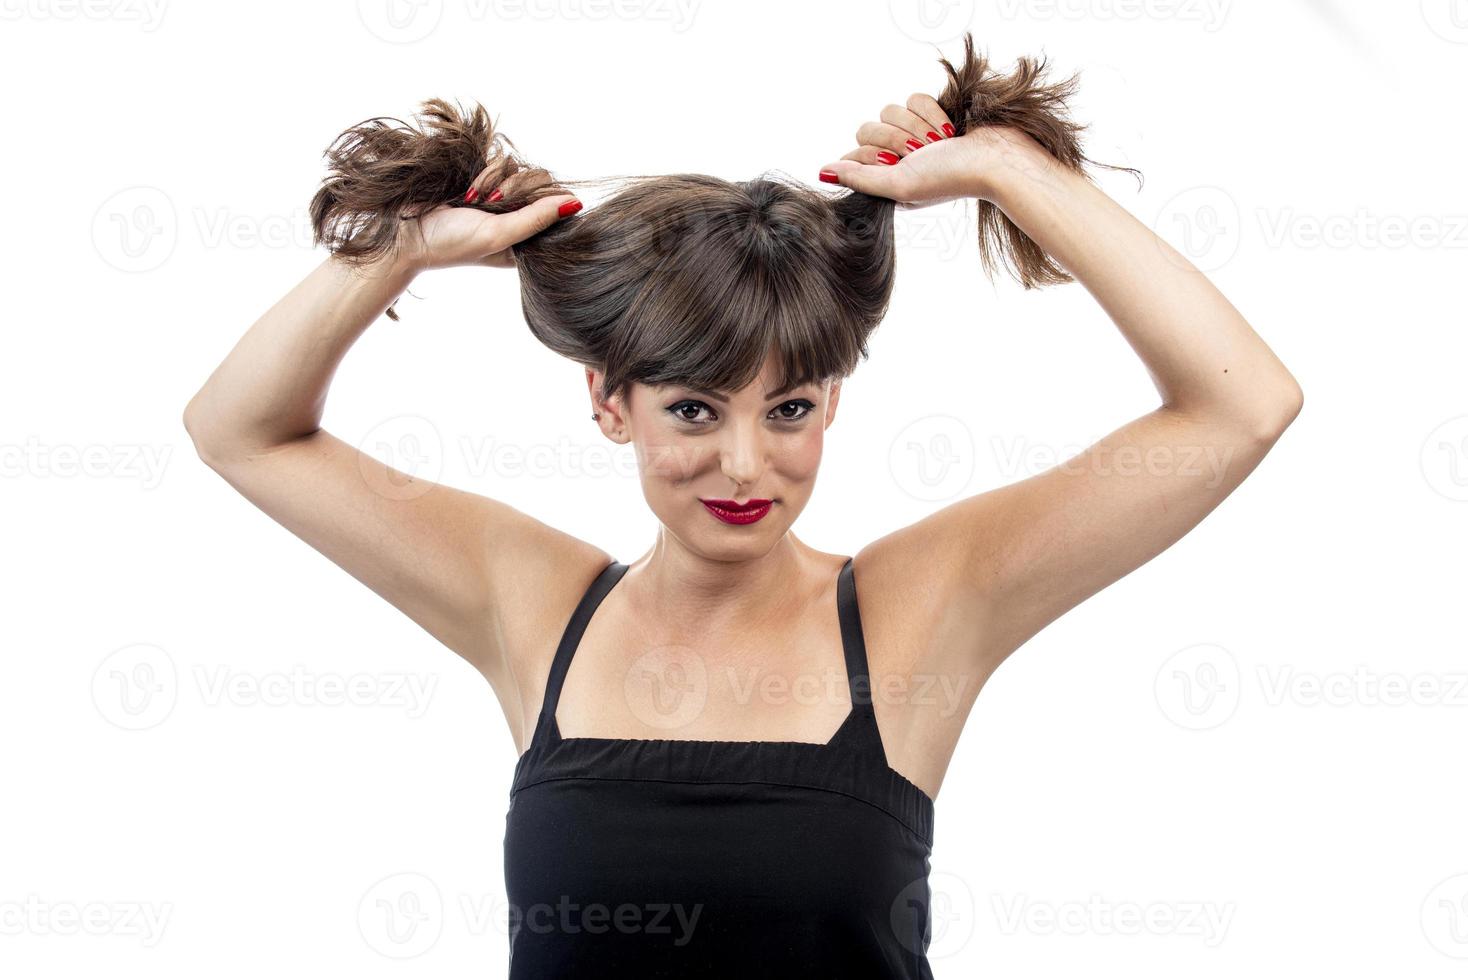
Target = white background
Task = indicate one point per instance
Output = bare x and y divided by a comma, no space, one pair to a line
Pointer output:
1304,818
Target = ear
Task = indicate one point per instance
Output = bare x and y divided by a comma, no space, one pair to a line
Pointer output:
611,421
831,400
593,382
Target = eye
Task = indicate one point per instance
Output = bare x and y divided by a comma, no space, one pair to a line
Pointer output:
687,411
801,405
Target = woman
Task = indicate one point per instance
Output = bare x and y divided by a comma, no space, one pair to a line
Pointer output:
662,822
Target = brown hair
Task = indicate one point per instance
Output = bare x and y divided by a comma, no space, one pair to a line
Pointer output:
685,278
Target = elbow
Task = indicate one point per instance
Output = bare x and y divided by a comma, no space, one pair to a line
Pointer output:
195,426
1283,407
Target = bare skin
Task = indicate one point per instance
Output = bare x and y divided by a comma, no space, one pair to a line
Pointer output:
943,601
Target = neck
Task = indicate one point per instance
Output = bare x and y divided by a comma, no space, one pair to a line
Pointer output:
672,584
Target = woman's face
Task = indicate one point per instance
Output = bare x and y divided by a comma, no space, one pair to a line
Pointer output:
702,456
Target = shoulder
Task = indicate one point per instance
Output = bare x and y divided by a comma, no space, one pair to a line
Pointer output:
906,597
545,573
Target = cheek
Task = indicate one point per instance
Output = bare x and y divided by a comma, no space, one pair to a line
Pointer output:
799,456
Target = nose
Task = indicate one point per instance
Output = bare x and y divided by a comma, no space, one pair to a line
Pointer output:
742,456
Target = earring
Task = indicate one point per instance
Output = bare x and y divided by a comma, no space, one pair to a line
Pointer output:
596,416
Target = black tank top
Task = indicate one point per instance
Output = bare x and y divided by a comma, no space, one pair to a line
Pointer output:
699,858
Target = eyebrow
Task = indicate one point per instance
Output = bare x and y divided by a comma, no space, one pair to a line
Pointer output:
721,396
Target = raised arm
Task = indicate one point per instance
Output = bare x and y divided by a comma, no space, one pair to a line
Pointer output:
1002,564
447,558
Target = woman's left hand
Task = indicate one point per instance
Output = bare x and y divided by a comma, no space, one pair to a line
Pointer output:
913,156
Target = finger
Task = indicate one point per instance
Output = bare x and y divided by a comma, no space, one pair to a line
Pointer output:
887,136
515,226
877,179
924,105
906,119
875,155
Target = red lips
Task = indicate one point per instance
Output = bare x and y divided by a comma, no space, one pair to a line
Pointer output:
733,512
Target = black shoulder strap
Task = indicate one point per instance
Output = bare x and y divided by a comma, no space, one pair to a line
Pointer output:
863,727
571,638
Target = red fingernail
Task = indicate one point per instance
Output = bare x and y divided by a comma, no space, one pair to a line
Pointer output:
829,176
948,129
471,195
933,137
887,157
495,195
570,207
915,144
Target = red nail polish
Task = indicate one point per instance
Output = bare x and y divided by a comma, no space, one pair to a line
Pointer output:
948,129
570,207
471,195
495,195
887,157
829,176
915,144
933,137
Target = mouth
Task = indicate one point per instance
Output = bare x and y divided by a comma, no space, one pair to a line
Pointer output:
733,512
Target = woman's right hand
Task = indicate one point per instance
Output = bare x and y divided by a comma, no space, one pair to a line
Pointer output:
452,236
